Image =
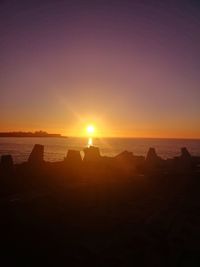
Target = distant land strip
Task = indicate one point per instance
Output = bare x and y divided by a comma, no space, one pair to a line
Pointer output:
30,134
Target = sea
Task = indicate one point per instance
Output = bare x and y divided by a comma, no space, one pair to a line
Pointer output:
55,149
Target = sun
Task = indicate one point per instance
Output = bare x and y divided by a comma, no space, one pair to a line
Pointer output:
90,129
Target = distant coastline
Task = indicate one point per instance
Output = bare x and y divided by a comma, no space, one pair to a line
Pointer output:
30,134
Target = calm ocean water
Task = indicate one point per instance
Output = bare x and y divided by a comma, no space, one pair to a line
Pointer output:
56,148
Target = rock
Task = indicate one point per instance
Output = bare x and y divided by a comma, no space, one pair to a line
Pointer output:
125,161
125,156
185,160
152,160
92,154
7,162
73,157
185,153
37,155
151,155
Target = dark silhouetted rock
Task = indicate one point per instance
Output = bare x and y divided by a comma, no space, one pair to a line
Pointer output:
7,162
151,155
125,156
185,153
73,157
125,161
37,155
152,160
139,162
91,154
185,161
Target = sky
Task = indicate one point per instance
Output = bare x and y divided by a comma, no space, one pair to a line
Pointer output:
130,68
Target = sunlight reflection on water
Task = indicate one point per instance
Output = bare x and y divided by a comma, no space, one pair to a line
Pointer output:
90,142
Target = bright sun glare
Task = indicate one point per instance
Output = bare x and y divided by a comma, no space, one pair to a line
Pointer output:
90,129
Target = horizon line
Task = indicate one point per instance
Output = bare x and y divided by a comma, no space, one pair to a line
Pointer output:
136,137
99,137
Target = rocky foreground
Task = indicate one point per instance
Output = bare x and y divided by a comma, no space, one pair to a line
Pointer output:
99,211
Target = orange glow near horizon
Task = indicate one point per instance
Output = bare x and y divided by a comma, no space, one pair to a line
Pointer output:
100,118
81,131
95,126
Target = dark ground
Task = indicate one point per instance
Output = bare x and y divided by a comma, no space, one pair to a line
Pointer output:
142,220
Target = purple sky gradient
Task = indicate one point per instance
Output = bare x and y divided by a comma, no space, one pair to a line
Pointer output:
130,67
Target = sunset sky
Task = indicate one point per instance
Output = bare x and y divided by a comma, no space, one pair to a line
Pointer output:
130,68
